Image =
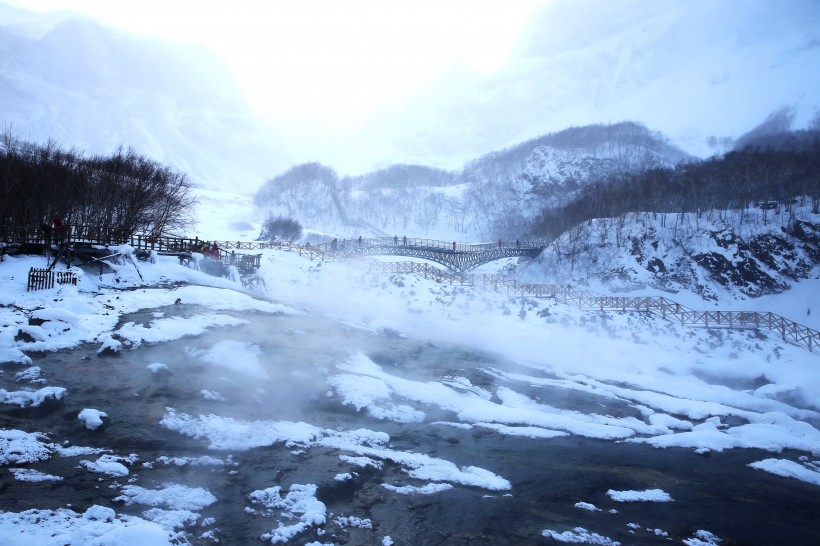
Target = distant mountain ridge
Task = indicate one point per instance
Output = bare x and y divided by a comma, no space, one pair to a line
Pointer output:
497,194
550,170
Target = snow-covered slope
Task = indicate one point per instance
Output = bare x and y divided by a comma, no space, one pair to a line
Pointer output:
719,256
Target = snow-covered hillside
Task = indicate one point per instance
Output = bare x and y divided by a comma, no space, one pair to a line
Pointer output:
495,195
720,256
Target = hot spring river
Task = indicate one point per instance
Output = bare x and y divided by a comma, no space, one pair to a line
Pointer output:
292,381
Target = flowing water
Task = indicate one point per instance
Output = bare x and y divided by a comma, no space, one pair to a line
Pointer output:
296,357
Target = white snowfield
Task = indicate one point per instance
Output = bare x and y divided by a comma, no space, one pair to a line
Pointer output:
686,387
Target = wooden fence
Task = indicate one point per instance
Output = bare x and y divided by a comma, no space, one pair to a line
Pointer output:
786,329
39,279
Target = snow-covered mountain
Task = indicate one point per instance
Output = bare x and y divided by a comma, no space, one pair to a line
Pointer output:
511,186
495,195
87,87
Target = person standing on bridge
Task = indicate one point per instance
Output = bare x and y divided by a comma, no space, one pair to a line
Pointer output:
517,243
396,240
454,246
360,240
404,240
500,244
59,228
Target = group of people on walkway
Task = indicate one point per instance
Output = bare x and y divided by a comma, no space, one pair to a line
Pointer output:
517,243
211,250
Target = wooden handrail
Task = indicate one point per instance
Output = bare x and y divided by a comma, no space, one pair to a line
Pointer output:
788,330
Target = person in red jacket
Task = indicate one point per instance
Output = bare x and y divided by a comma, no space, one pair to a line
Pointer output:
59,228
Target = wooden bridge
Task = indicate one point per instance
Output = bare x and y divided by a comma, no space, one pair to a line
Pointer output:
786,329
458,258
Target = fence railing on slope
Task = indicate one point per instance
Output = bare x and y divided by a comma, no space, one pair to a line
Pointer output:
367,225
788,330
424,269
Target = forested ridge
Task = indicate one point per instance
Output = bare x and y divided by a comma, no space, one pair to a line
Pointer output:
770,177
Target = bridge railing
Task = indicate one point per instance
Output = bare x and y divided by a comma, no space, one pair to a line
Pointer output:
786,329
394,241
101,235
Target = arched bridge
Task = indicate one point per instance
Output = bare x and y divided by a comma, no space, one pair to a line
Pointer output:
456,257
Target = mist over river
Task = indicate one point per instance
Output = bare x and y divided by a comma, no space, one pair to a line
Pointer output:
302,429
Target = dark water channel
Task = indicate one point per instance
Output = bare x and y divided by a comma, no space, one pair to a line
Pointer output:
717,493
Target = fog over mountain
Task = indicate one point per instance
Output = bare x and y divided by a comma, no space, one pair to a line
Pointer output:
68,79
701,72
688,69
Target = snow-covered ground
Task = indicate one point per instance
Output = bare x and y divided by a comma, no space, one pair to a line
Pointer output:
702,390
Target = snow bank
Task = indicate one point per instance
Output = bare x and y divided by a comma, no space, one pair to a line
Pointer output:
98,524
809,473
648,495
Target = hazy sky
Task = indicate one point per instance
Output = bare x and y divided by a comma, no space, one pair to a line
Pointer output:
360,84
287,56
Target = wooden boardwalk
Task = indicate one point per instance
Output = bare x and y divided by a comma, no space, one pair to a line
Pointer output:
786,329
90,244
